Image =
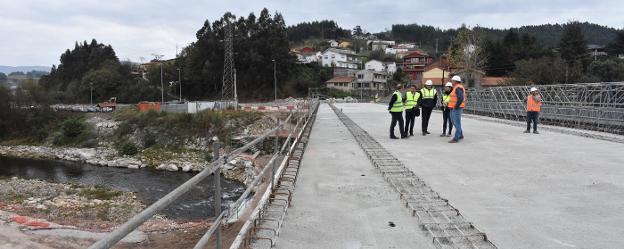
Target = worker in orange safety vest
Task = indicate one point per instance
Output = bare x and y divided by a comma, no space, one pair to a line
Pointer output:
533,108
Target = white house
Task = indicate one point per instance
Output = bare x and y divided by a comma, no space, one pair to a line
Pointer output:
380,44
305,58
379,66
333,43
341,58
370,80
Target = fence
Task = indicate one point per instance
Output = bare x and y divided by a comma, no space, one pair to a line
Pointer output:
592,106
214,169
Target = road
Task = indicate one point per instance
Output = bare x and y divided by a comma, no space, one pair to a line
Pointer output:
550,190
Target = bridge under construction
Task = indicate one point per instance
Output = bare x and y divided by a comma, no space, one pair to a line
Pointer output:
338,181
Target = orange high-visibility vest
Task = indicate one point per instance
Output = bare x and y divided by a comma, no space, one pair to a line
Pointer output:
532,105
453,100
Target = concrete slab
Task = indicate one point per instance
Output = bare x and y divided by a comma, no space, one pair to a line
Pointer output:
341,202
523,190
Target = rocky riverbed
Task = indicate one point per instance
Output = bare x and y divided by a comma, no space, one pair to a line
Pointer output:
241,168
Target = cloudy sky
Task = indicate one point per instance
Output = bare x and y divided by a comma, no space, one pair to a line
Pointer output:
36,32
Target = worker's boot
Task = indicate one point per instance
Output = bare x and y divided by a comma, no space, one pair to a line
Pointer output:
443,134
535,132
393,137
453,141
527,131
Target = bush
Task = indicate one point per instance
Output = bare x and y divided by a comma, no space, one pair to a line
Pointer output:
148,139
128,148
73,127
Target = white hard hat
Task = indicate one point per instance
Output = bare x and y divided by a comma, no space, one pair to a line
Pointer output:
429,83
533,89
449,84
456,78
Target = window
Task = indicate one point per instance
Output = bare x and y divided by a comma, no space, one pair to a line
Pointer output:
360,76
326,57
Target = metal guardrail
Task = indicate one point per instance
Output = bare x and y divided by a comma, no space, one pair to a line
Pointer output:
213,168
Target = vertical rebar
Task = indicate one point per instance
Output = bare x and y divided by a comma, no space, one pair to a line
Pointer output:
217,191
275,151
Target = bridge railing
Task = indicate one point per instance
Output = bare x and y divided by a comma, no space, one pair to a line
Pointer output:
592,106
214,169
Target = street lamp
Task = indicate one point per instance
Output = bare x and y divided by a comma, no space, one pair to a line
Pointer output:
275,78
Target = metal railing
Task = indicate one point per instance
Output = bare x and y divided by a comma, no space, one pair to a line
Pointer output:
213,168
590,106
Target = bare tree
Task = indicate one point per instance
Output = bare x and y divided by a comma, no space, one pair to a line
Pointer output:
467,55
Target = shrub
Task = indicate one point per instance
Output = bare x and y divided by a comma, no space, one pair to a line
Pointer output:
73,127
128,148
148,139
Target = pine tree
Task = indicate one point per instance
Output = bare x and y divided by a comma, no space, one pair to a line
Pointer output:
573,46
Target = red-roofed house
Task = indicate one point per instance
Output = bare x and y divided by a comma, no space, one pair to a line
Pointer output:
414,64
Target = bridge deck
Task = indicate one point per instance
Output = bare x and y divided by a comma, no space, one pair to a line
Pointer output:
341,202
523,190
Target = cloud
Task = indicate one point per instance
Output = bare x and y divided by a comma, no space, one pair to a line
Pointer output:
36,32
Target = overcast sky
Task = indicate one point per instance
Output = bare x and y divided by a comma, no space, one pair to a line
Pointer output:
36,32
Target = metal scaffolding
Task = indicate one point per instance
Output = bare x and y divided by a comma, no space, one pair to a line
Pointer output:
591,106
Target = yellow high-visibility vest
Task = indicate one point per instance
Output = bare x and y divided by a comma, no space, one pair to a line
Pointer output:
428,93
397,106
410,99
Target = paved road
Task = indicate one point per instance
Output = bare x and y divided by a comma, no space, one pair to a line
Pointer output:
523,190
341,202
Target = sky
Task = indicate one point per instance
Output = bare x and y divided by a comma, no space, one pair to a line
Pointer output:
36,32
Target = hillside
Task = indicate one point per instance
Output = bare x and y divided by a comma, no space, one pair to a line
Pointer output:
9,69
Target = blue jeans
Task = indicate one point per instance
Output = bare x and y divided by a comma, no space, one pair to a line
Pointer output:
456,121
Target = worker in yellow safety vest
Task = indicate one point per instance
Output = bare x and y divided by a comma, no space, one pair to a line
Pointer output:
429,99
533,108
395,108
446,111
411,109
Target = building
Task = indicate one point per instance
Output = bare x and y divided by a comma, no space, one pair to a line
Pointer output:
344,44
380,44
414,64
370,80
306,50
437,74
340,58
596,51
343,83
333,43
345,72
379,66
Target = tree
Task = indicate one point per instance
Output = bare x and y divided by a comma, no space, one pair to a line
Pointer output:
607,70
573,47
616,47
467,53
3,77
357,31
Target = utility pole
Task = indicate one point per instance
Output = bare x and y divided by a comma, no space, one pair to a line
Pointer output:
180,82
91,86
228,88
275,78
162,86
436,47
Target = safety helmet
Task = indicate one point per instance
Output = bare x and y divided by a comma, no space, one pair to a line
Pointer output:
449,84
456,78
429,83
533,89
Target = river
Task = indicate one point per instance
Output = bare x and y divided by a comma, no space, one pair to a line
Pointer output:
148,184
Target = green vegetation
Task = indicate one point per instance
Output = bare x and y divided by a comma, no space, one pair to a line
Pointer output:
99,192
326,29
128,148
75,131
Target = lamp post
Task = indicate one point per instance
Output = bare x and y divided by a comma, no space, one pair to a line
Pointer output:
275,78
180,82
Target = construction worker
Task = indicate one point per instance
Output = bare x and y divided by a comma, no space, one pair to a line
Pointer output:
533,108
457,103
396,110
429,99
446,112
411,109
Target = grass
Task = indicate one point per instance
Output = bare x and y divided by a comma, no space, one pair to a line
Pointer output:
99,192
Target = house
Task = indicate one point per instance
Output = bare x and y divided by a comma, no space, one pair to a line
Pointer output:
414,64
347,72
340,58
437,74
596,50
306,50
343,83
333,43
379,66
344,44
370,80
379,44
305,58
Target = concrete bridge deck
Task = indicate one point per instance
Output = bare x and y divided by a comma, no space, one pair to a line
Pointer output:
523,190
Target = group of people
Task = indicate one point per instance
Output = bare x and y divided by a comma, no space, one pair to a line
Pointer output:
454,100
426,99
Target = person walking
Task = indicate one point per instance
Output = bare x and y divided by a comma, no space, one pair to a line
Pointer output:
395,108
533,108
429,99
457,102
411,109
446,111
